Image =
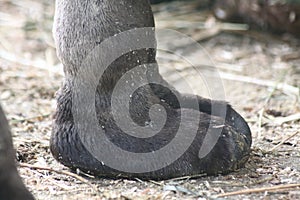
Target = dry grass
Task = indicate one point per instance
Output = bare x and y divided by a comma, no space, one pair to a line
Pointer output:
261,77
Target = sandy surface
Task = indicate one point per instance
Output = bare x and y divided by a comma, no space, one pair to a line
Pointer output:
260,75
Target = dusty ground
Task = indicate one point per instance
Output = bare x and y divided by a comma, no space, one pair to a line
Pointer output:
261,77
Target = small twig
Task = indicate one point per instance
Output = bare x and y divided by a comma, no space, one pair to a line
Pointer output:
201,25
283,141
260,119
229,183
266,83
139,180
188,177
41,64
258,190
40,117
281,120
231,67
262,111
156,183
59,172
207,33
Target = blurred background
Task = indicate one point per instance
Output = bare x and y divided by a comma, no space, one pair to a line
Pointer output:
259,70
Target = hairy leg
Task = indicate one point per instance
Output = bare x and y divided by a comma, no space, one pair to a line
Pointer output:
87,36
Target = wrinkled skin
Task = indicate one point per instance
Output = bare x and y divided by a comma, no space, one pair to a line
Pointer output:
230,152
11,186
82,25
